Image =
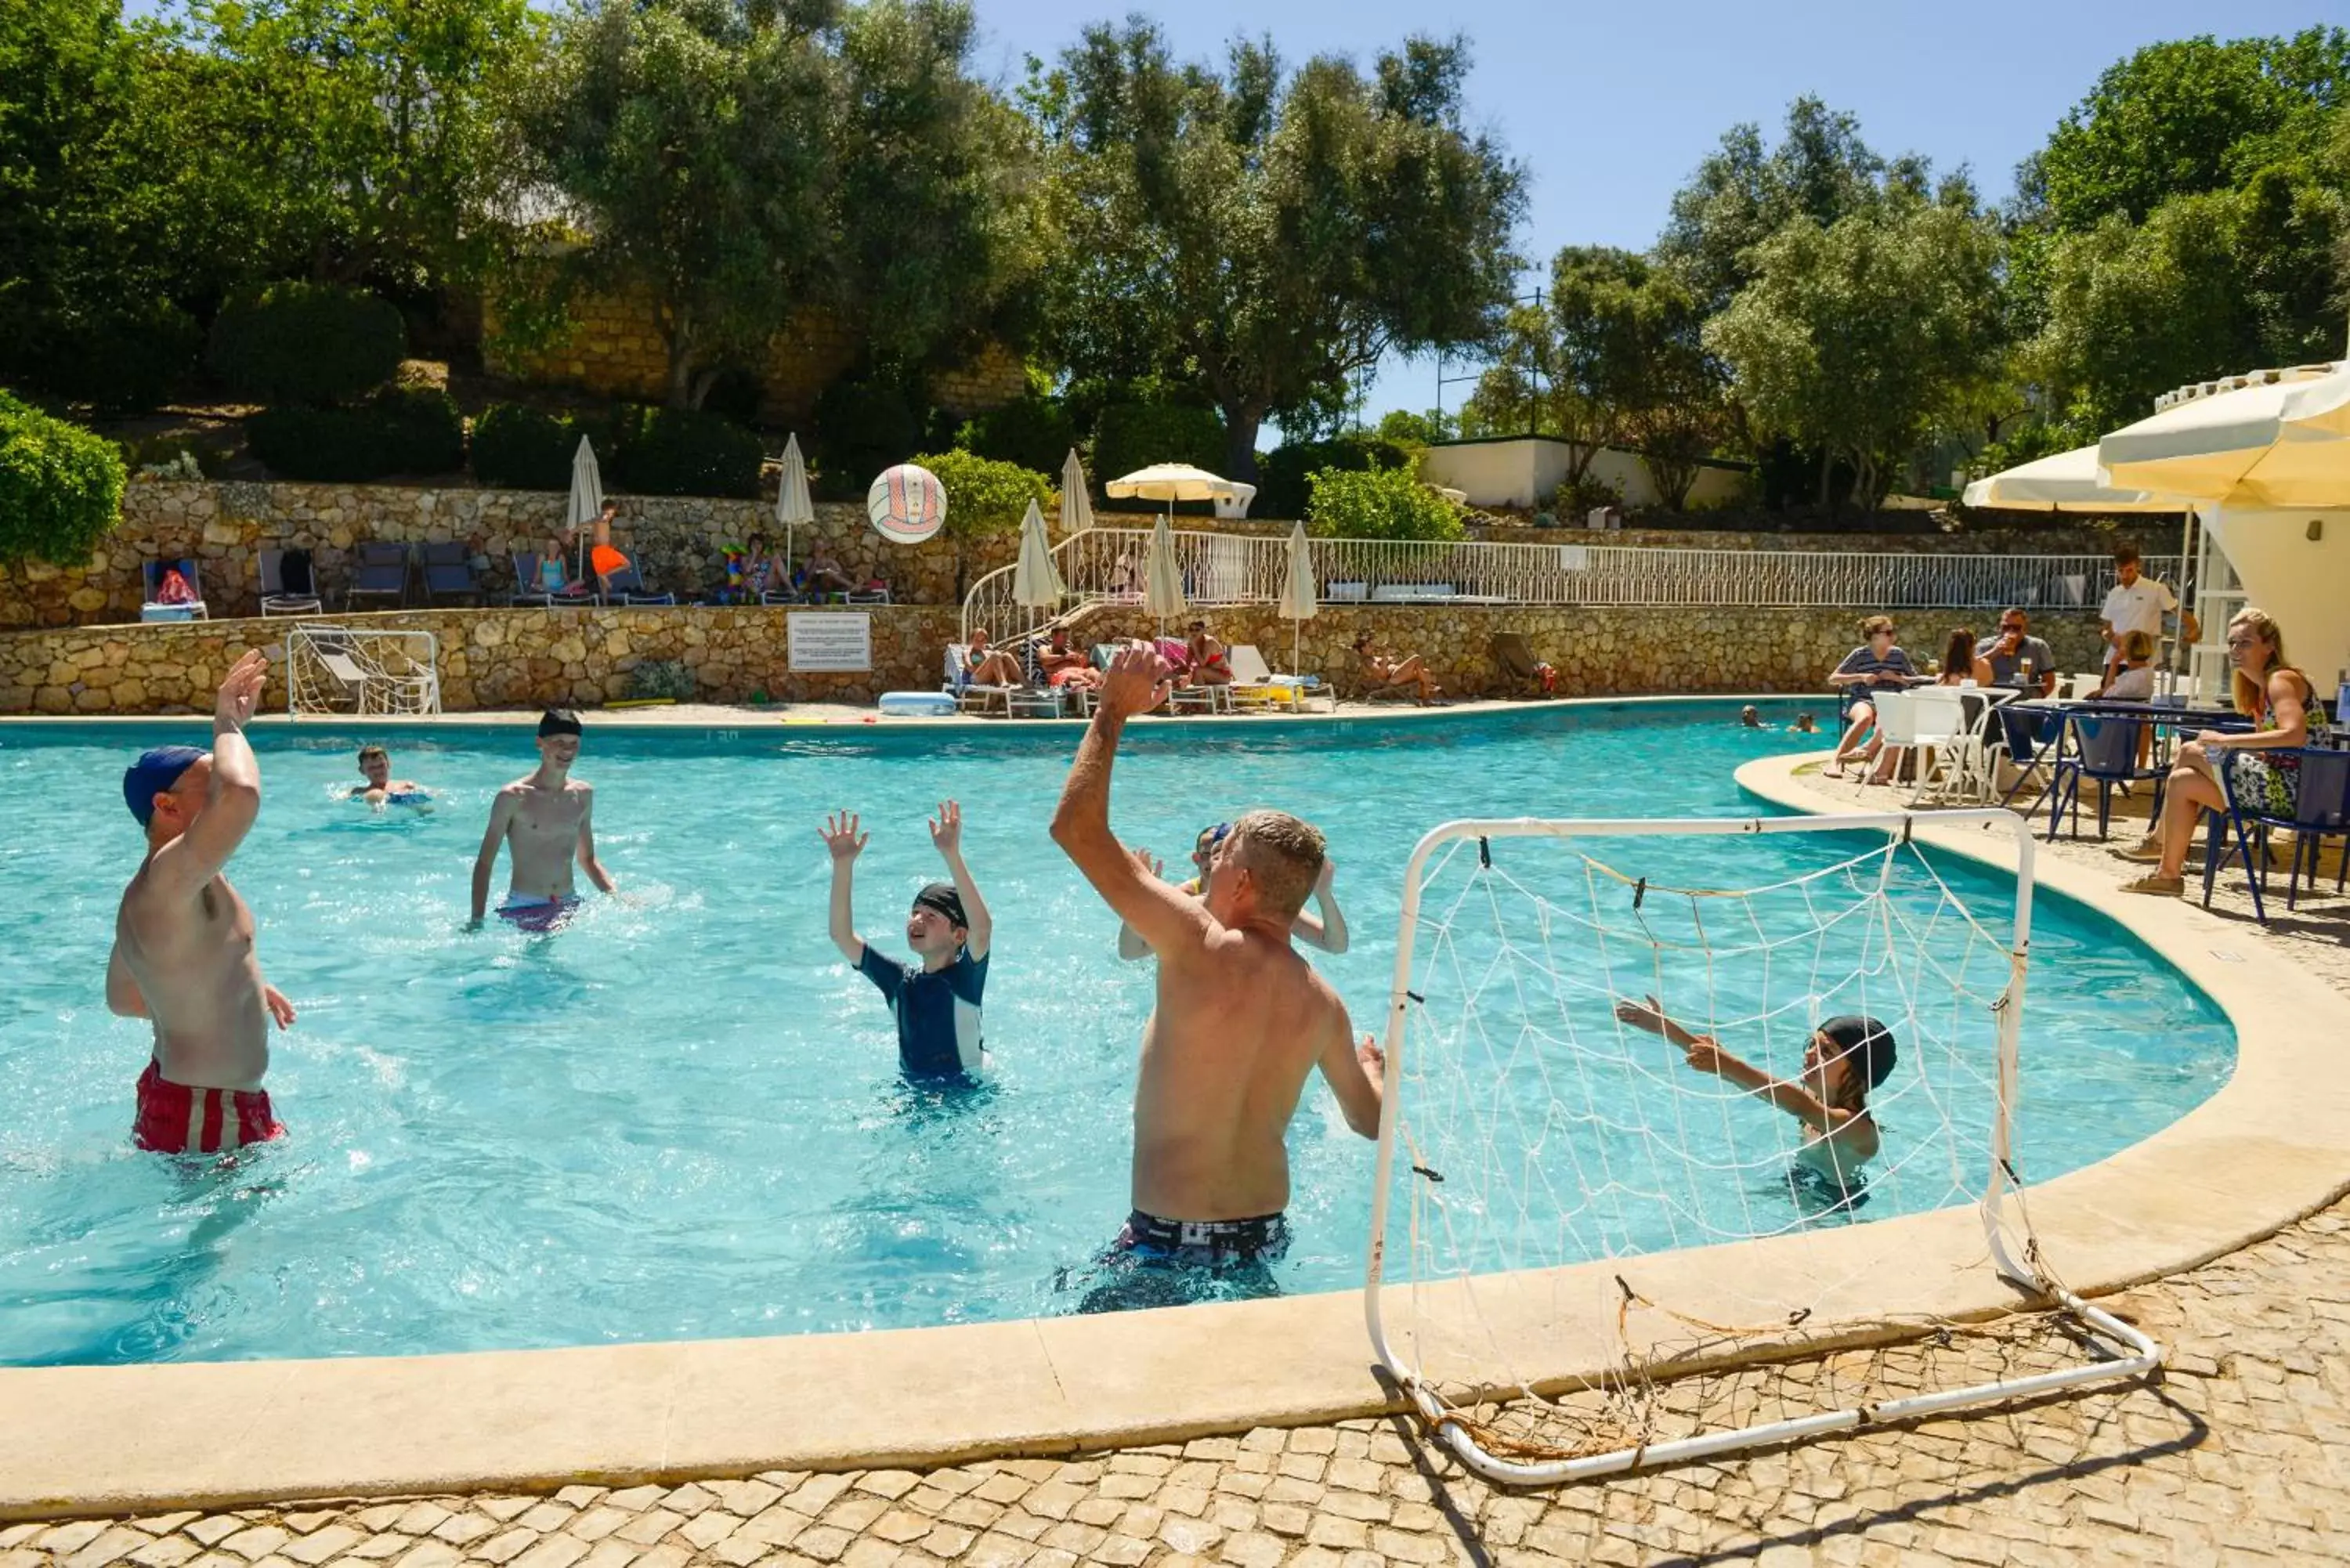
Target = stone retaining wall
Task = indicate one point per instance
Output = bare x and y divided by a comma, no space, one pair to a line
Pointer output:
676,539
529,657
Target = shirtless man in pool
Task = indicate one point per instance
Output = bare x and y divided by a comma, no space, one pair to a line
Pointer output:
546,819
183,954
1240,1019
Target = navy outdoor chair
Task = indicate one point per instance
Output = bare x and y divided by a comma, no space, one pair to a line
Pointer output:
2027,736
449,574
530,586
381,574
627,587
2104,750
2322,811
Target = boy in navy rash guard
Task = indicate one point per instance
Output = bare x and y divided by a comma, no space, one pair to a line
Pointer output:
936,1000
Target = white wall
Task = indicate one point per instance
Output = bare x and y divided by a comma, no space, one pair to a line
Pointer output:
1527,470
2304,584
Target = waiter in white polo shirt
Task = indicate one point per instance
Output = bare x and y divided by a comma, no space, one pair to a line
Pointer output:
2136,603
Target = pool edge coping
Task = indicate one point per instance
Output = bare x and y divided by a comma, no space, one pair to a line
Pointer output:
2255,1157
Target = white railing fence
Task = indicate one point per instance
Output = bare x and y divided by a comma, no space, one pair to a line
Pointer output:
1105,566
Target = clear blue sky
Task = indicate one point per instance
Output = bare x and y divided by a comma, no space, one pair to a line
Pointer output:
1610,106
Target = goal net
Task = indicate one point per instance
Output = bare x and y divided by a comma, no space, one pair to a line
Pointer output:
1598,1046
361,669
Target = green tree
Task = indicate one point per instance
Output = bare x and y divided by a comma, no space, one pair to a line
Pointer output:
985,500
1407,428
692,139
373,128
1856,339
2184,118
1378,503
1746,190
1262,234
60,487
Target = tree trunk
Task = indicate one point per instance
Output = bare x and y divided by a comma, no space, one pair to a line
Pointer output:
1240,442
677,336
1827,471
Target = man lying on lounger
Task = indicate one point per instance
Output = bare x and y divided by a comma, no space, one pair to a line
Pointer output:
1240,1019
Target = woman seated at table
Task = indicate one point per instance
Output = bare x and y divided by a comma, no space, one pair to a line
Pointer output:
1960,667
2134,681
1876,665
2264,763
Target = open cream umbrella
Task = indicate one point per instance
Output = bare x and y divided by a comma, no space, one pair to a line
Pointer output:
792,505
1077,507
1300,601
2281,440
1162,580
1036,582
586,504
2067,481
1171,481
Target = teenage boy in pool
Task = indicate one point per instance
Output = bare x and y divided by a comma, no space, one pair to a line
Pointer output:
381,788
547,820
1328,933
1848,1057
1240,1019
184,956
936,1000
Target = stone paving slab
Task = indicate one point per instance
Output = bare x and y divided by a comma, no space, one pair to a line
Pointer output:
2239,1451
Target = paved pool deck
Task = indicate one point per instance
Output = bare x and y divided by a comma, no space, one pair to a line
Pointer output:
2236,1452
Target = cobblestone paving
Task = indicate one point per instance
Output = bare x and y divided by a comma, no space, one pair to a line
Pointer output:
2240,1452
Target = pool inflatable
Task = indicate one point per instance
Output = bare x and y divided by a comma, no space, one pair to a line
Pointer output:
918,704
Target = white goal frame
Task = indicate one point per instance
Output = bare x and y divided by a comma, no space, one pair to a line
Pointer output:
2137,1354
367,670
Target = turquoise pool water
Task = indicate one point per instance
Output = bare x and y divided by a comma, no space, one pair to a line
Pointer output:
681,1117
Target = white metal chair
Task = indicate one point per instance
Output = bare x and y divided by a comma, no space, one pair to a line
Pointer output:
970,697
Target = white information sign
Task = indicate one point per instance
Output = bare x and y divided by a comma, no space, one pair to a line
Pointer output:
836,640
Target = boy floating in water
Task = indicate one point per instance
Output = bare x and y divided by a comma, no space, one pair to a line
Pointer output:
381,788
547,819
1750,717
1328,933
1848,1057
935,1001
183,954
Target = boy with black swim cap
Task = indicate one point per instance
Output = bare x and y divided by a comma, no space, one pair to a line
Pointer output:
936,1001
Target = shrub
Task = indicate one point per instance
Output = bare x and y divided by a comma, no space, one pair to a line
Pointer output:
124,362
861,428
1034,432
60,487
307,343
1378,503
1135,435
520,448
684,451
985,497
1281,489
402,430
659,678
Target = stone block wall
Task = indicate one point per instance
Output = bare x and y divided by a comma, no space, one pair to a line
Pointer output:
489,658
529,657
1597,652
612,347
675,540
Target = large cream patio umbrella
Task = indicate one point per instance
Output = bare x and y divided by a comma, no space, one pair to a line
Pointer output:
1162,580
1077,507
2067,481
793,503
1300,601
2279,440
1171,481
585,502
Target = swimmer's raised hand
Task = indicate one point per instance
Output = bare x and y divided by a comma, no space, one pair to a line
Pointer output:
840,835
1137,681
279,1008
240,692
946,828
1150,865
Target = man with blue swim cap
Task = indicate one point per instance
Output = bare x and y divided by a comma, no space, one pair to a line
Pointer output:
183,954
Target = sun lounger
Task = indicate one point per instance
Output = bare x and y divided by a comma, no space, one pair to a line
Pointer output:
381,574
274,599
449,574
530,588
191,609
1518,663
1257,686
627,587
971,698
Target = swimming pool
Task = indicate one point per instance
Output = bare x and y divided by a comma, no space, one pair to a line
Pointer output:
680,1118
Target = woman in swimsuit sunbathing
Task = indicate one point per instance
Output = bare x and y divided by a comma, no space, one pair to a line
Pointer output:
1382,672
